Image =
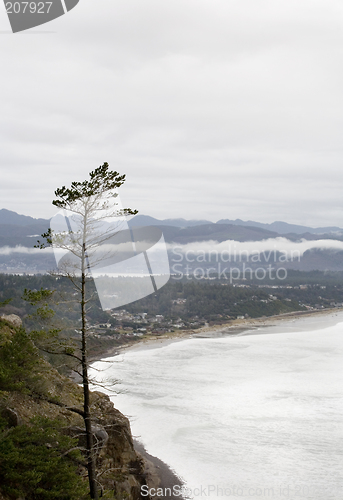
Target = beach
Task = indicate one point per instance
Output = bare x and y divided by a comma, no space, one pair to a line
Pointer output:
305,320
295,322
160,475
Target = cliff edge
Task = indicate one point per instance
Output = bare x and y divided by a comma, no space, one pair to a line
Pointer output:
30,388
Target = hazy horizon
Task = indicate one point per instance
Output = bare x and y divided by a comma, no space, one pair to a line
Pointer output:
186,219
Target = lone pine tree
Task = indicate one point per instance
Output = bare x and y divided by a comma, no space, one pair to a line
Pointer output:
89,208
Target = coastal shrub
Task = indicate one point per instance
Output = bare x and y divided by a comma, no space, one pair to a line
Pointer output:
19,359
37,462
22,368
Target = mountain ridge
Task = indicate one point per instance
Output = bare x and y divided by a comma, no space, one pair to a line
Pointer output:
11,218
283,227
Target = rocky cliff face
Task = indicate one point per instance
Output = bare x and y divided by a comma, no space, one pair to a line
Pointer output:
121,470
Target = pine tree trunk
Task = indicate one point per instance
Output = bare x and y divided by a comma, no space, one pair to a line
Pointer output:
85,382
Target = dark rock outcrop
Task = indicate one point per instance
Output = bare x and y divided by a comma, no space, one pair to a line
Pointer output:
12,417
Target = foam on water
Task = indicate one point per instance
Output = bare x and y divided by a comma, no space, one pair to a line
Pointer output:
253,417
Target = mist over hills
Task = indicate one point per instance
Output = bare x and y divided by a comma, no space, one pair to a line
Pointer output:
17,231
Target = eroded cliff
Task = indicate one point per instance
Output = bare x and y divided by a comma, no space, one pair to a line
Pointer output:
43,392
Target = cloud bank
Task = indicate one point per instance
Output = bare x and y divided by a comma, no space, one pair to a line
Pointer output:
237,250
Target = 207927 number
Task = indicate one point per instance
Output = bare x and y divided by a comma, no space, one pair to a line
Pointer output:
29,7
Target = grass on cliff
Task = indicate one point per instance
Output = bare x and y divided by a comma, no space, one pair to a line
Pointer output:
37,461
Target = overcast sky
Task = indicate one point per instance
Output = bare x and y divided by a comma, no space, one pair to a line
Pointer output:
212,108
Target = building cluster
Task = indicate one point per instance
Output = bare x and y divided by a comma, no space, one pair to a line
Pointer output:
139,324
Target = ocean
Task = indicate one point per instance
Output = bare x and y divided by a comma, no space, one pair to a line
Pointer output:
253,416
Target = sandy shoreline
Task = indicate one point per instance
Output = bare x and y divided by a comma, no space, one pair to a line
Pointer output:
160,475
251,326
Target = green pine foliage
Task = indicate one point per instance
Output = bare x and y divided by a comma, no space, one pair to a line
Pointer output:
20,363
37,462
